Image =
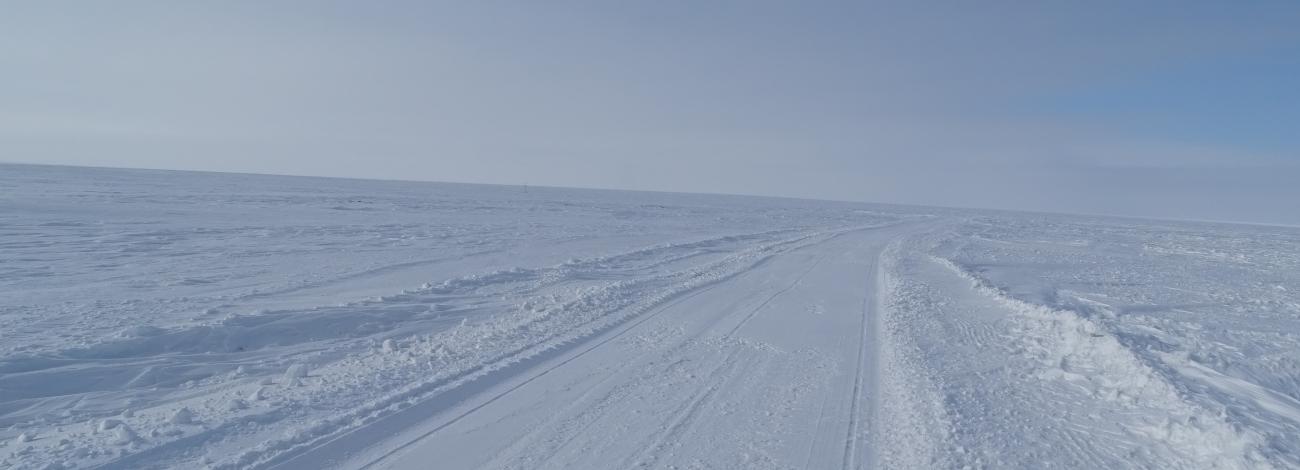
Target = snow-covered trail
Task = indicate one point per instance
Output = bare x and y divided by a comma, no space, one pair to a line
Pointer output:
772,368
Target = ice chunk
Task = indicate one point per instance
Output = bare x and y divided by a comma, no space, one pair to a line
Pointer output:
182,416
124,436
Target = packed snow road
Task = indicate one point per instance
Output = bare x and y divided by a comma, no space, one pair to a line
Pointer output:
156,320
772,367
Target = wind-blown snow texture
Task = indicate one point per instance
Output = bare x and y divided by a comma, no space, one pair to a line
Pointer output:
166,320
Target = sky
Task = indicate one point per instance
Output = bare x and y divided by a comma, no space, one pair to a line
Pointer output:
1173,109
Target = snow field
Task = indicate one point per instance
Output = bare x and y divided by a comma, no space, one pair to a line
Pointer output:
165,319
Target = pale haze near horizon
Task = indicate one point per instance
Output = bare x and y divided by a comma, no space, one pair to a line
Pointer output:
1159,109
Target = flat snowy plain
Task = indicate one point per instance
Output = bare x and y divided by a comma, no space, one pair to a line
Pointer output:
155,319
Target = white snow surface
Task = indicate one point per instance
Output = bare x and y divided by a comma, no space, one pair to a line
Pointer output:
153,319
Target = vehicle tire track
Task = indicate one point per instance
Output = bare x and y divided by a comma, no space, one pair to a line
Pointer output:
628,327
774,295
867,342
624,327
821,416
685,415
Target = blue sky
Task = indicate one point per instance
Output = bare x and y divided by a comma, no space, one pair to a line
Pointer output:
1249,102
1169,109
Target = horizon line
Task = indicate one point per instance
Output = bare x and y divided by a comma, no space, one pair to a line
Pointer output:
660,191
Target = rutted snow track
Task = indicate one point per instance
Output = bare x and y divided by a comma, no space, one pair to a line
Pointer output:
761,370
